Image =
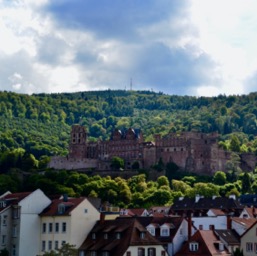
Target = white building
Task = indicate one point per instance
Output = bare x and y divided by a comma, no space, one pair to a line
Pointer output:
67,220
20,222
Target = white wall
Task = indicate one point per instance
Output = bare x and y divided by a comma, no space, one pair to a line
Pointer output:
219,222
29,236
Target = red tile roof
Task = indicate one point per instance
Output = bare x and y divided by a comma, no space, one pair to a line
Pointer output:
129,230
68,207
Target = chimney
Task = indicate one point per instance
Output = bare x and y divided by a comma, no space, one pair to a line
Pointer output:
229,222
102,217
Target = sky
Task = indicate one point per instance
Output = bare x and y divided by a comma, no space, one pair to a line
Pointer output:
178,47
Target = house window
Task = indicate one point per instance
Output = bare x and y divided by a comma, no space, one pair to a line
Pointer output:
128,254
13,250
14,231
49,245
141,252
151,252
93,236
50,227
5,220
3,239
43,246
63,242
93,253
105,254
163,253
105,236
44,227
15,213
117,235
165,232
56,245
86,210
193,247
181,231
57,227
64,227
200,227
142,235
249,247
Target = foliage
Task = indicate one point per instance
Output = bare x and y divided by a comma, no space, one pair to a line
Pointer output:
117,163
65,250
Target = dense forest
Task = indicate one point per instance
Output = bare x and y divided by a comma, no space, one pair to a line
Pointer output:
35,127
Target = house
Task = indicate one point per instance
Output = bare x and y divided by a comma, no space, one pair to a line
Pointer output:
172,232
66,220
19,221
199,206
121,237
240,225
159,210
215,219
248,212
249,240
204,243
134,212
229,238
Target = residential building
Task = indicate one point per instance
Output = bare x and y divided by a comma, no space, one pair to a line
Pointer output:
204,243
249,240
20,222
66,220
121,237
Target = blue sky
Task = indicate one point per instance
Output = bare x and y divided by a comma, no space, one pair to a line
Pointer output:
182,47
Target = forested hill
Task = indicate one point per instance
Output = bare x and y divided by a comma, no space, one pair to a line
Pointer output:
40,123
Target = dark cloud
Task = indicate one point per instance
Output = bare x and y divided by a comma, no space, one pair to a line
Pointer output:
51,50
113,19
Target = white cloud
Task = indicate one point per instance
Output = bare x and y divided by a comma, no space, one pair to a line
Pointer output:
205,48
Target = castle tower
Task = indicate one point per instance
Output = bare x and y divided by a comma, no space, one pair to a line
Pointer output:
78,142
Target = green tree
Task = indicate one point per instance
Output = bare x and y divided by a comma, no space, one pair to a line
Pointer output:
219,178
234,144
246,183
117,163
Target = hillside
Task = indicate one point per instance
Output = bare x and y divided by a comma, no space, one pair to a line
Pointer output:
40,123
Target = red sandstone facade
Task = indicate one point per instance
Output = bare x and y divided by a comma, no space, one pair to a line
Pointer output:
191,151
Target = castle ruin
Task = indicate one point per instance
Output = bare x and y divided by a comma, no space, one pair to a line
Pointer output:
191,151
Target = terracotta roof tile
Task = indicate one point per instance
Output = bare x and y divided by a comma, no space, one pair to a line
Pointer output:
68,207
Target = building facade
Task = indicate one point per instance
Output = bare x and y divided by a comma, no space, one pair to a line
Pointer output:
190,151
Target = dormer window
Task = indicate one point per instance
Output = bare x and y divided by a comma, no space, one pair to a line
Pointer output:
61,209
93,236
193,246
142,235
165,230
105,236
117,235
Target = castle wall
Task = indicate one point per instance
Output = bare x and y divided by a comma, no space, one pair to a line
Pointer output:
191,151
67,163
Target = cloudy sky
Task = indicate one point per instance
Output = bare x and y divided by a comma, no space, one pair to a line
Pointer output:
182,47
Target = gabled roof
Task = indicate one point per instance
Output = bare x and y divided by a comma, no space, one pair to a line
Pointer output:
217,212
105,233
223,203
173,222
229,236
207,245
67,207
134,212
244,222
12,199
250,227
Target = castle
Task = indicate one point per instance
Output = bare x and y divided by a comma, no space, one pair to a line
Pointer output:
190,151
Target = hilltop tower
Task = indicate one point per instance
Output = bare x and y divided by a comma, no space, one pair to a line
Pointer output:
78,142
